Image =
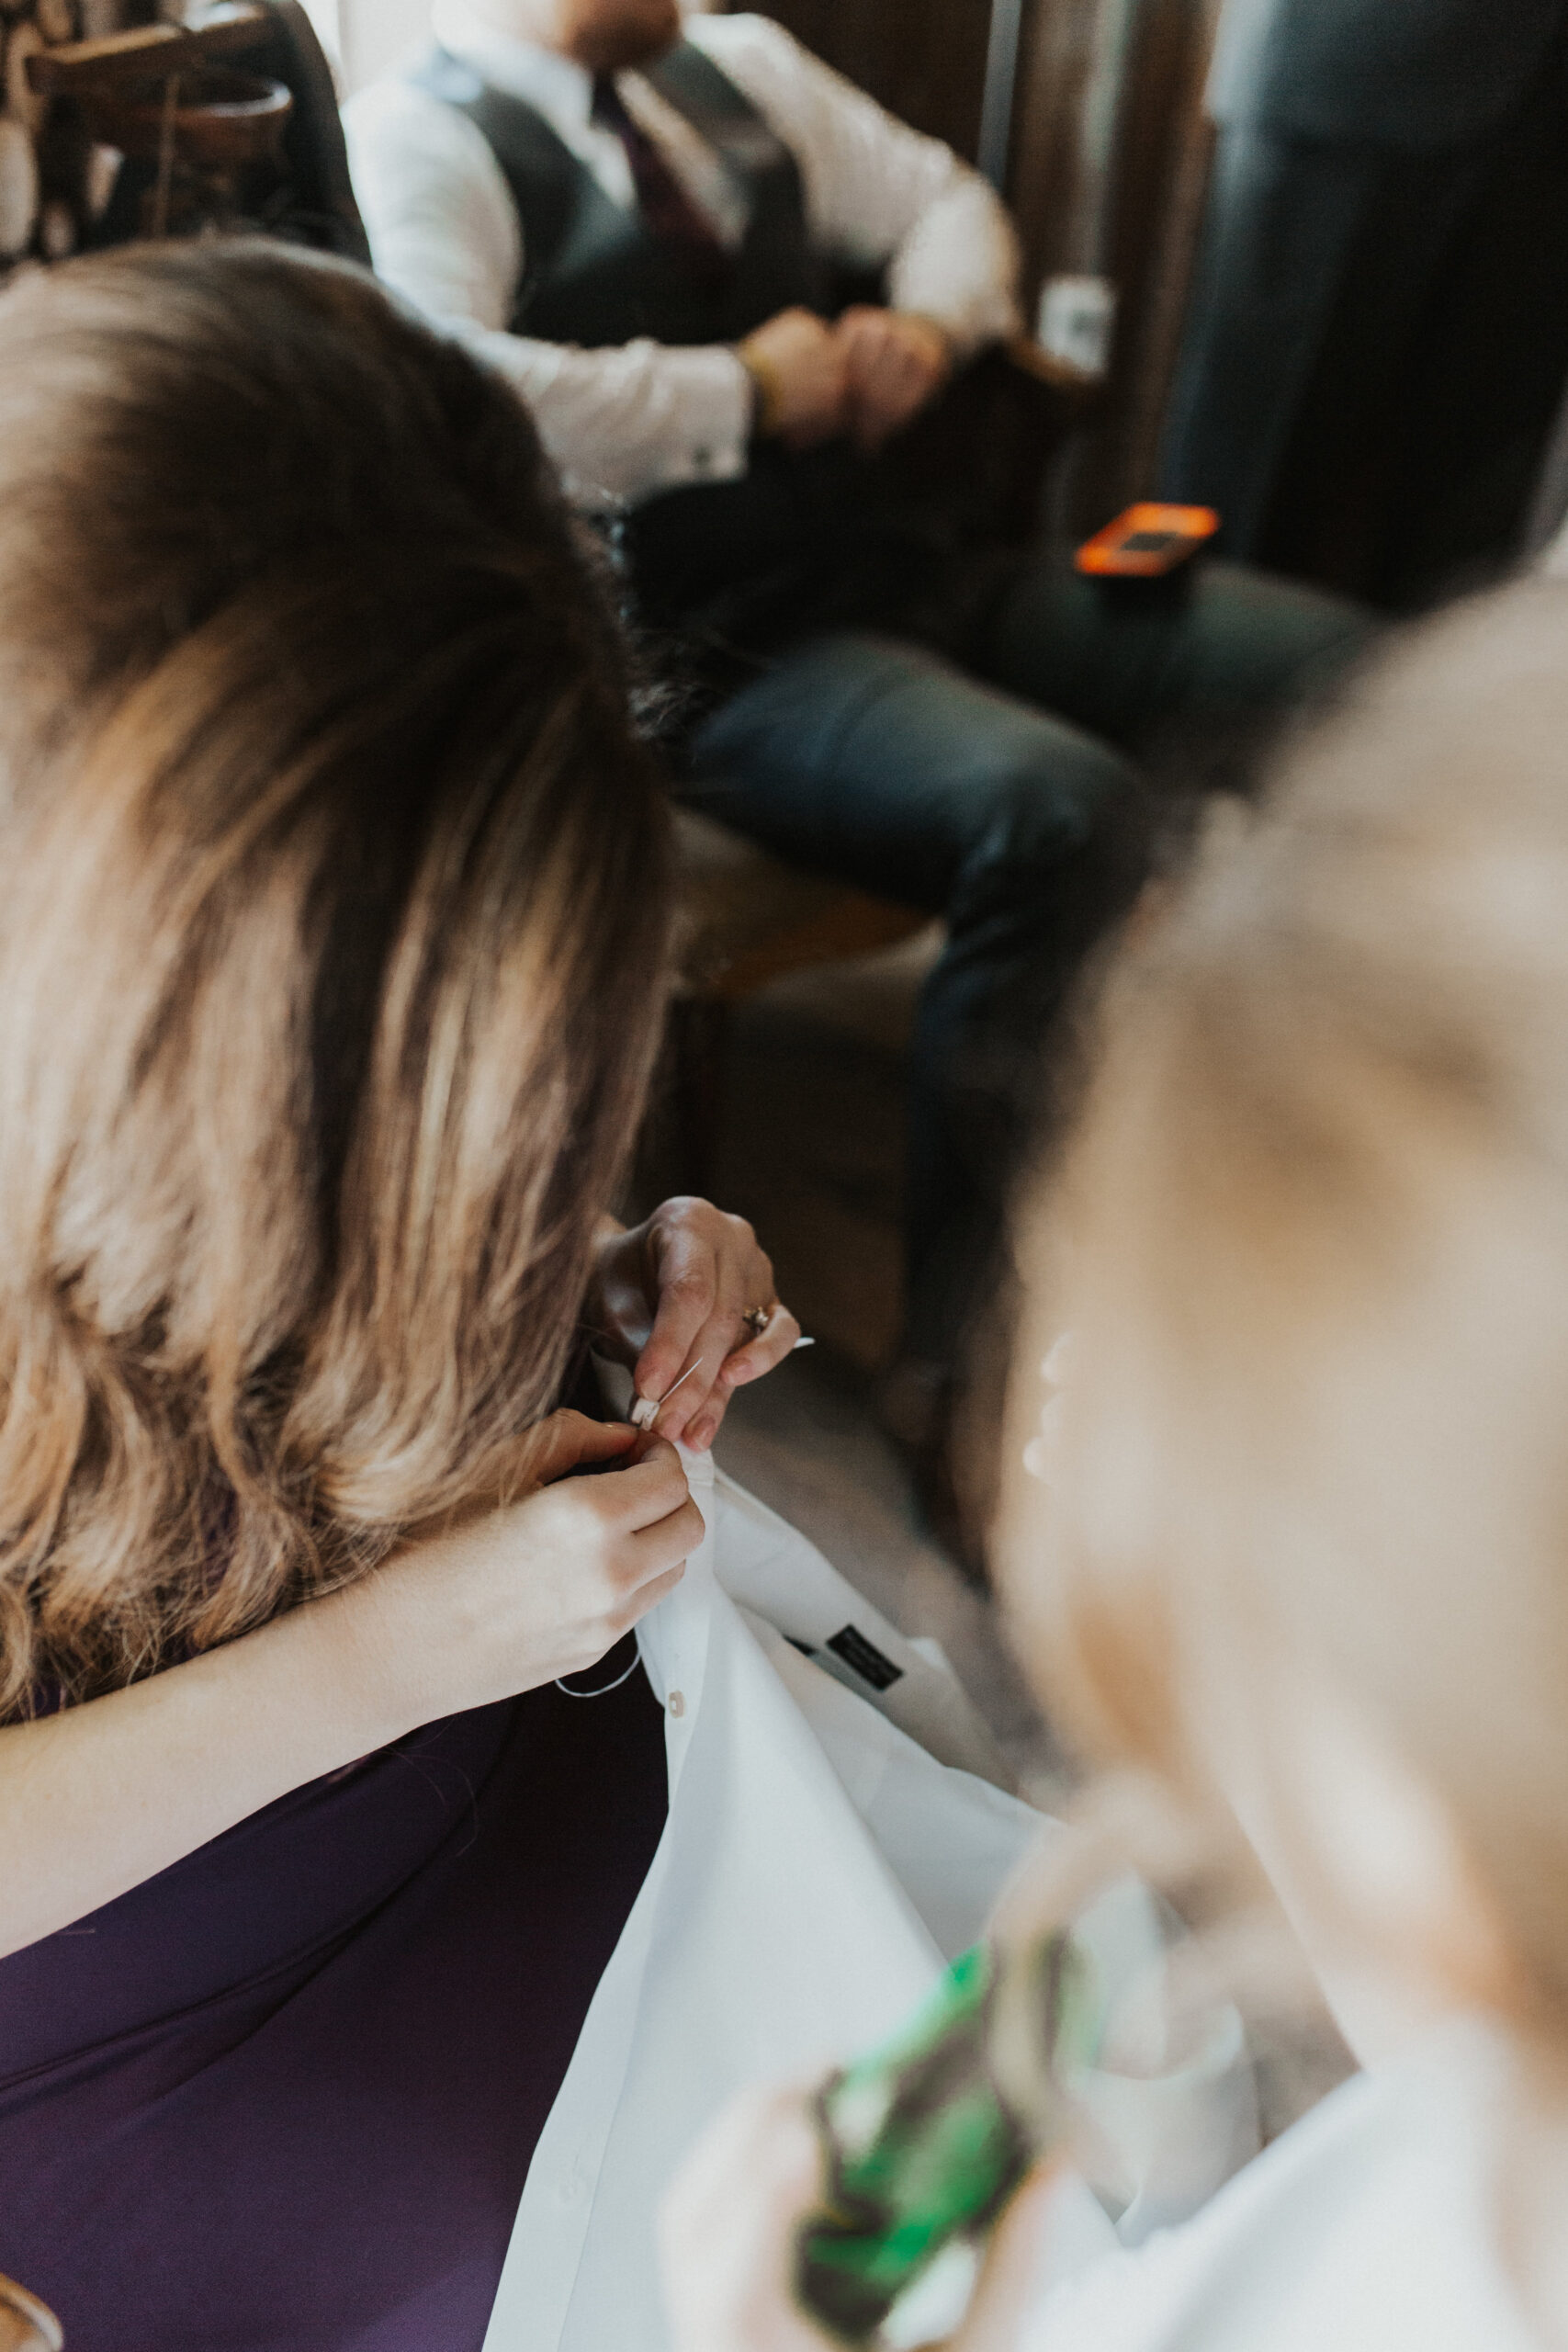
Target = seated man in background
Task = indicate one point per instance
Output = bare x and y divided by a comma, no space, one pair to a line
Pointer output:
653,230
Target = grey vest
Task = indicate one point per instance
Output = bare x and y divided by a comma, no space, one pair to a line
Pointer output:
816,540
591,272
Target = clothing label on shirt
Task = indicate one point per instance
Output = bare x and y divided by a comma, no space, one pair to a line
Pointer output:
863,1657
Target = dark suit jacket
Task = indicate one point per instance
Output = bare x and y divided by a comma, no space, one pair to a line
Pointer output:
1414,74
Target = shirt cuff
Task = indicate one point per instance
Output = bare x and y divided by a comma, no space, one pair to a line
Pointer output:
622,423
991,315
712,397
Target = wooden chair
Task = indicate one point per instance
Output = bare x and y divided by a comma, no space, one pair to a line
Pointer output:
224,116
746,917
25,2325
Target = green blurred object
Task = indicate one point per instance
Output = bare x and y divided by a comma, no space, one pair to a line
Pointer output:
926,2140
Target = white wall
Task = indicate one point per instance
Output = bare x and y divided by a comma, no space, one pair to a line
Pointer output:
371,32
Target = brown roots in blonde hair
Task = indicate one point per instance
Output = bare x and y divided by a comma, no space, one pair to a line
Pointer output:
332,911
1311,1244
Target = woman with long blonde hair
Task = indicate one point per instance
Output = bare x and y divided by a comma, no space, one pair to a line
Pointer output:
332,928
1291,1557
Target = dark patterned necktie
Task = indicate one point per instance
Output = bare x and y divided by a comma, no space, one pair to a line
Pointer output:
680,227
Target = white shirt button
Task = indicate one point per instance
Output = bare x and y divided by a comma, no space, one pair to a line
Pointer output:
677,1704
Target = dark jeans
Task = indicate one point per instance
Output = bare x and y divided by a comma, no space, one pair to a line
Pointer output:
1006,797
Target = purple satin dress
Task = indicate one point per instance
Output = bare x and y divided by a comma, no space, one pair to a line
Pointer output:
283,2098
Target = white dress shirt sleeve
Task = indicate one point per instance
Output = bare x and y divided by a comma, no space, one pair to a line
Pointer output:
444,232
877,192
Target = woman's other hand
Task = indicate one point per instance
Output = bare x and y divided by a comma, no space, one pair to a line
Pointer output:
672,1297
104,1796
510,1599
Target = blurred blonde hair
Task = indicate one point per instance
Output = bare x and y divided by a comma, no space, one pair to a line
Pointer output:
333,912
1310,1241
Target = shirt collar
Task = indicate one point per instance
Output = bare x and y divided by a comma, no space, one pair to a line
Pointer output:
560,88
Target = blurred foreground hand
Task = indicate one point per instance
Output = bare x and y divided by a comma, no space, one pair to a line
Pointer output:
728,2226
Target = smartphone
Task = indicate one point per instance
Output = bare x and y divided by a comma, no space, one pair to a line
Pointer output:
1147,541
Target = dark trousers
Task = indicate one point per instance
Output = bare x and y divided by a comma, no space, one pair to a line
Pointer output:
1377,335
1007,797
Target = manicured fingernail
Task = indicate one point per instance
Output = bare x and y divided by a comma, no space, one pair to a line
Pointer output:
702,1437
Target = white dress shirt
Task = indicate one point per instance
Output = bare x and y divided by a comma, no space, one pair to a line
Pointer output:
819,1864
1378,2224
624,422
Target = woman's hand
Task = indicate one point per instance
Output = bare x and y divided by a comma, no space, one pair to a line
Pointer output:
671,1298
106,1795
512,1598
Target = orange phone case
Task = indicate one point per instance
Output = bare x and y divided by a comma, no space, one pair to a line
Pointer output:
1146,540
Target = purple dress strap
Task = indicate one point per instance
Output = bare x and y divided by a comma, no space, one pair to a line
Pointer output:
282,2097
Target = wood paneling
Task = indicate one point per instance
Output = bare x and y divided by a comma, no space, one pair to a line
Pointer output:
925,59
1110,157
1110,160
1046,185
1167,146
